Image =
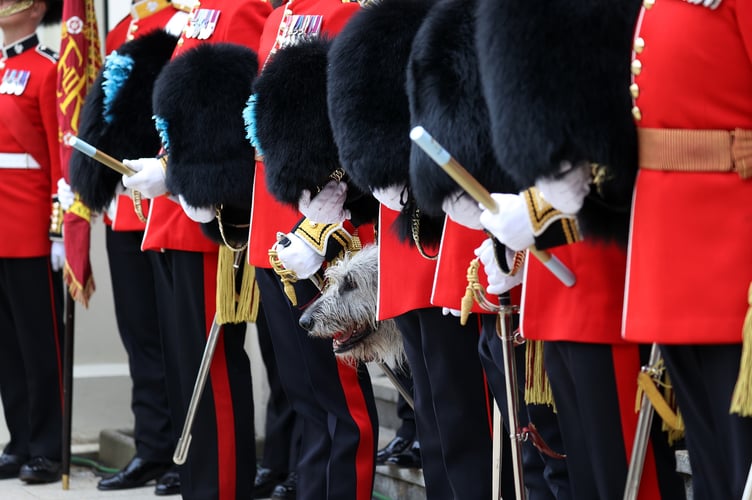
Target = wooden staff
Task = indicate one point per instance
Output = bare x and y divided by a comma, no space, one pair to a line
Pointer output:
480,194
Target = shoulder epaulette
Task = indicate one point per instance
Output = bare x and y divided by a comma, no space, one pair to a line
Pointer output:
47,52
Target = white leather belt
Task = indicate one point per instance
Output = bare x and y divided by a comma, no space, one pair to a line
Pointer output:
18,160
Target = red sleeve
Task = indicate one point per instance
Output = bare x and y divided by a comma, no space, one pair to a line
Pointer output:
48,109
116,36
248,23
338,18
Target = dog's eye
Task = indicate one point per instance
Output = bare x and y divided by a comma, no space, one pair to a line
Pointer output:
348,284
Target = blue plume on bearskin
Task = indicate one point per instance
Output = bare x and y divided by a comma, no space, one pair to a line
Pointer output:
116,116
368,105
556,82
443,88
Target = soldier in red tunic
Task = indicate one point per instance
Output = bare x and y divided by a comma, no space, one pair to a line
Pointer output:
30,279
689,267
221,459
559,111
370,116
116,118
334,399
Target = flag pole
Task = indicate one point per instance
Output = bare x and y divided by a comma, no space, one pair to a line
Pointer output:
70,310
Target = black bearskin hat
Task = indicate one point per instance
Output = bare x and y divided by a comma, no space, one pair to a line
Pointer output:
292,128
556,84
368,105
198,106
54,12
443,88
116,115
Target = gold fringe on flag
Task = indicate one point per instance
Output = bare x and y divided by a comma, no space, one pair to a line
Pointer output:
741,400
234,306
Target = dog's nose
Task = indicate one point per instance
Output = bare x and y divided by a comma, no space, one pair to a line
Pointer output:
306,322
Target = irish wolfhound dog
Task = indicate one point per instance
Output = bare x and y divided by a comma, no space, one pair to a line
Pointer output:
346,312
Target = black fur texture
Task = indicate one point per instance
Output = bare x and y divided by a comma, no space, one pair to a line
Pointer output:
201,95
292,125
367,101
131,132
443,88
556,82
54,12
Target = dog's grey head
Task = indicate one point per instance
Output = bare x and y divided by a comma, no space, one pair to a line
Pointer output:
346,312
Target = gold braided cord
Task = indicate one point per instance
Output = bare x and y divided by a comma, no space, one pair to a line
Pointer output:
416,236
136,196
222,232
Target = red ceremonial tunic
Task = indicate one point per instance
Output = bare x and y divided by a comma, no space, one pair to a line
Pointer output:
405,277
132,26
238,22
268,216
589,311
689,257
458,244
28,126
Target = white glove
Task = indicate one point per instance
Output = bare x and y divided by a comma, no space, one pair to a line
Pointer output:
511,224
57,255
328,204
65,194
498,282
447,311
462,210
201,215
391,197
566,192
299,257
149,178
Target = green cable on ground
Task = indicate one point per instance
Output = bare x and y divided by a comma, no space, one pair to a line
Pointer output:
87,462
378,496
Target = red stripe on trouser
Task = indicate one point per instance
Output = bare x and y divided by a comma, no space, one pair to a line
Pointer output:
220,384
356,404
626,368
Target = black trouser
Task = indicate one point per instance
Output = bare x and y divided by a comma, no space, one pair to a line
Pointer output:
583,378
335,401
134,294
282,436
221,461
31,327
452,411
719,444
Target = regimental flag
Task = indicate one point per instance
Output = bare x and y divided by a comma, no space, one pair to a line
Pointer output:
80,60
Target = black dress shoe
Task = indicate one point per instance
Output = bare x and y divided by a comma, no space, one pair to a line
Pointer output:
409,459
393,447
168,484
288,489
266,480
137,473
10,465
40,470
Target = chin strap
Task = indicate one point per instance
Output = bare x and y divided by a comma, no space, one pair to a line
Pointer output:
15,8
